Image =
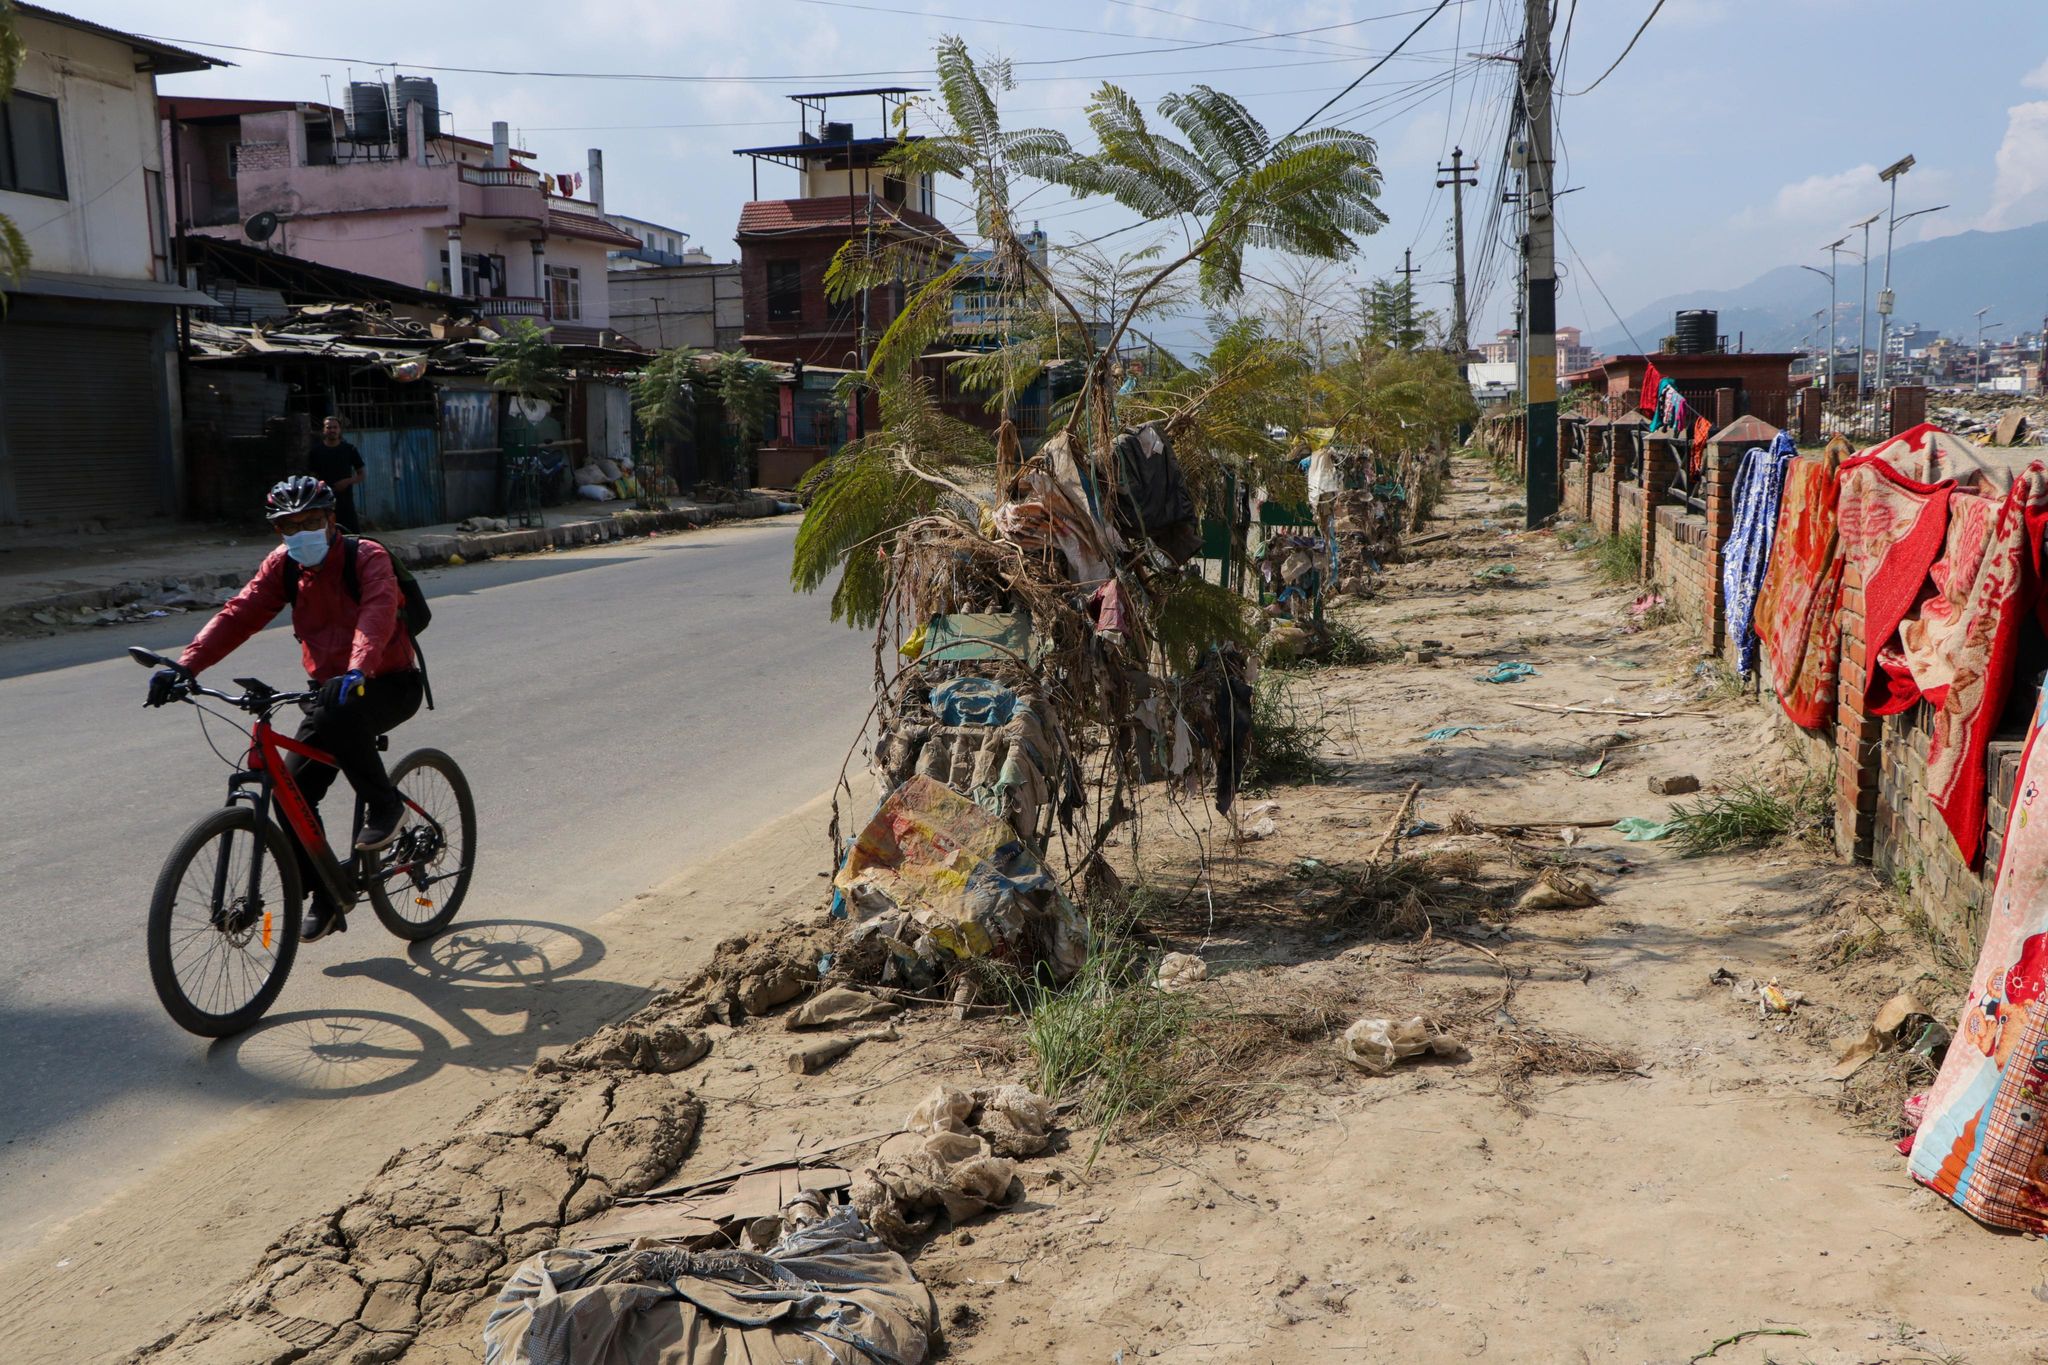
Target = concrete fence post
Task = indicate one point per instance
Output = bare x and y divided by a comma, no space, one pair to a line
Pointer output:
1909,408
1808,433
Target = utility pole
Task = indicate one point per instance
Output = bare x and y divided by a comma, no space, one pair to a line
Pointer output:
1407,293
1890,176
1540,288
1460,342
1863,308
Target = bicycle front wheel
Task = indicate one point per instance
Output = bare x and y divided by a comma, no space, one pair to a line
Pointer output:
224,923
420,880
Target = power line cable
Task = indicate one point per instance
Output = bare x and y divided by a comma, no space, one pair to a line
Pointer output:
1574,94
1442,5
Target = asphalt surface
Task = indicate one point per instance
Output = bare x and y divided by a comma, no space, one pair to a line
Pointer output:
621,711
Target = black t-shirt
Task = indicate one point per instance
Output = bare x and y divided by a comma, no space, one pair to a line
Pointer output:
332,463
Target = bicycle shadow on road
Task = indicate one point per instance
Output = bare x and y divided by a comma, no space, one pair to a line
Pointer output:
487,995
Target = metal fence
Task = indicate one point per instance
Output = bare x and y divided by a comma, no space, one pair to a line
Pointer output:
1865,420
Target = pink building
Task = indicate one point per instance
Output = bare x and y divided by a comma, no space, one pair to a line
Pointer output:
384,190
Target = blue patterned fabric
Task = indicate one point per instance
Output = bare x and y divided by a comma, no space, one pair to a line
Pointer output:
1759,483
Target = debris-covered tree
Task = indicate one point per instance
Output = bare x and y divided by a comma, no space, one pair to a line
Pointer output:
1233,186
1122,661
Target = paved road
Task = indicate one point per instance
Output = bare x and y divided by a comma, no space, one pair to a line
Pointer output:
621,711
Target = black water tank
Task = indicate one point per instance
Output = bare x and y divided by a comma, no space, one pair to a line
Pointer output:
1698,331
839,132
369,116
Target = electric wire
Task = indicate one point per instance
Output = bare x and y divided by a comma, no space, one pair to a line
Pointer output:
1624,53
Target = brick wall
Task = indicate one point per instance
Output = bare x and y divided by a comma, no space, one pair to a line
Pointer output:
263,156
1912,846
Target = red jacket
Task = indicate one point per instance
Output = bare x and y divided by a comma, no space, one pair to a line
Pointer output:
336,632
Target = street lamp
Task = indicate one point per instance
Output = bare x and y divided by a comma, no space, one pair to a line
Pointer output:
1890,176
1829,275
1863,306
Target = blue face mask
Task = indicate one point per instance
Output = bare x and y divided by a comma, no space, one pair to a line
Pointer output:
308,547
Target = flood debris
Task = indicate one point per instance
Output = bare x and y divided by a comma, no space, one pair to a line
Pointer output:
1376,1045
826,1292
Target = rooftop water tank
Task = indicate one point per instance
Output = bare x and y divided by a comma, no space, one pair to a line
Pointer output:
1698,331
424,92
369,115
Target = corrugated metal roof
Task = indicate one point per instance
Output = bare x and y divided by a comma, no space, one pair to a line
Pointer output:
164,59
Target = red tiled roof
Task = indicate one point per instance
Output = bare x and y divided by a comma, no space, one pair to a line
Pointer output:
588,228
792,217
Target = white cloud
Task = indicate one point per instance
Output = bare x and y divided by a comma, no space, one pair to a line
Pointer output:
2037,79
2019,194
1824,197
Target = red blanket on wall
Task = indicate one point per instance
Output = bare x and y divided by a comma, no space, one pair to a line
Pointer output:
1798,612
1947,542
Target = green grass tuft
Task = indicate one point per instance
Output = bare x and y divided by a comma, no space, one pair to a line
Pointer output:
1618,559
1750,815
1287,735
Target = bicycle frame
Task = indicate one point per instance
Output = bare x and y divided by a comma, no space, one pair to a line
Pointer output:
266,769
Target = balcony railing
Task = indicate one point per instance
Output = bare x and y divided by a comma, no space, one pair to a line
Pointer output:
581,207
511,176
511,307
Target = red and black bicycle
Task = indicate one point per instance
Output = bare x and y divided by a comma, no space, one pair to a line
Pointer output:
224,920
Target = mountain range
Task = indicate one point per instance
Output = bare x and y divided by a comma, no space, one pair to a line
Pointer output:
1939,284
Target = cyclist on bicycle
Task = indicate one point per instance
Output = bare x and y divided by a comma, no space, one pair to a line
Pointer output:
357,654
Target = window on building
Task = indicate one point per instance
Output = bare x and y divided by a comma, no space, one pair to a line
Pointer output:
319,141
483,275
234,161
785,291
31,151
565,293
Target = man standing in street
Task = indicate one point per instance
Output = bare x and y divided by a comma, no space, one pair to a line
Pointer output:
339,465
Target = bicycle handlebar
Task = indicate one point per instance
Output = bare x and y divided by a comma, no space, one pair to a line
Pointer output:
257,696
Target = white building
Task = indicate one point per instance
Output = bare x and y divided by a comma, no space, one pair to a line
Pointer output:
88,358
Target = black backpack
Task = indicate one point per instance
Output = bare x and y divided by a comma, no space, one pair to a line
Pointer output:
414,612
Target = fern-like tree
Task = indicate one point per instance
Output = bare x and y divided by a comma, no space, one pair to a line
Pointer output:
525,364
1214,168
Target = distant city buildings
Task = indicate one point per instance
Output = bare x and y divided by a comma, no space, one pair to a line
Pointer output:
1573,355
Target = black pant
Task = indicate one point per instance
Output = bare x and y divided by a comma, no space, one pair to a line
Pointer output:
350,734
345,511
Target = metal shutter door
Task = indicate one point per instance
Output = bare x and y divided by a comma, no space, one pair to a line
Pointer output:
82,421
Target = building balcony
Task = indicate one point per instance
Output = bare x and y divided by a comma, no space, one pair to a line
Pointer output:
511,306
514,176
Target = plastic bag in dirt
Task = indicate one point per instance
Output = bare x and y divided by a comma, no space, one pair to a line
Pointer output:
1375,1045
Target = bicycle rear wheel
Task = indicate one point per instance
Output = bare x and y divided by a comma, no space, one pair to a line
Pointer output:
224,923
418,882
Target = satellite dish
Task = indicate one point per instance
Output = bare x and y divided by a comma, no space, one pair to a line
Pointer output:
260,227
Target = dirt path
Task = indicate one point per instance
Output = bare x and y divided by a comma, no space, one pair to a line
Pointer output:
1632,1164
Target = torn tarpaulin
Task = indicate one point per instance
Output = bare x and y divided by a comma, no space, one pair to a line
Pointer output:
964,880
825,1294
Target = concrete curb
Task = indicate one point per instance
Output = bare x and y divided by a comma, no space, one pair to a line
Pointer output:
425,552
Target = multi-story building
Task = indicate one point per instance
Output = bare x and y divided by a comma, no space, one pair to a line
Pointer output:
1573,355
380,187
982,306
660,244
844,193
88,343
696,303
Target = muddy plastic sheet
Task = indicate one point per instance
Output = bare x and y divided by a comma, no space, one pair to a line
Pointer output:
963,877
826,1294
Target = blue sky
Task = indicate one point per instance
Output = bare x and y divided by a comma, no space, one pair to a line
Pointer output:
1737,136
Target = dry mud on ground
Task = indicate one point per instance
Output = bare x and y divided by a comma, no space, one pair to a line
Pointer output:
1632,1163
